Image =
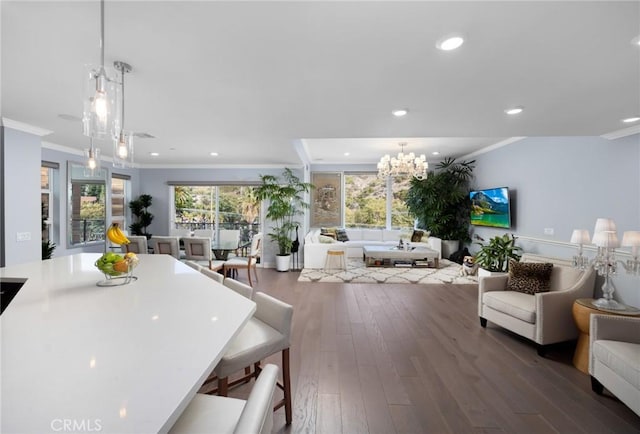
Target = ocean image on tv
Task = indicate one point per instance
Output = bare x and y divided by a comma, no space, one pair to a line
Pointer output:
490,207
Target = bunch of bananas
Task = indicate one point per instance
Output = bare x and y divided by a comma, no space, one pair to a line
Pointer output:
116,236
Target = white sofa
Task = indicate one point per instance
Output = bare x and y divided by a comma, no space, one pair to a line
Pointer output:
545,317
315,252
614,357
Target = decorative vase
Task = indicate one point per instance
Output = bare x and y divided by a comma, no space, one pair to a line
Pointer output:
283,262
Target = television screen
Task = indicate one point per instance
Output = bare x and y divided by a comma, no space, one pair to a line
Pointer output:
491,207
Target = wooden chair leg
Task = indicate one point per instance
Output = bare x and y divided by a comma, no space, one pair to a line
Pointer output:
249,274
223,386
287,385
255,272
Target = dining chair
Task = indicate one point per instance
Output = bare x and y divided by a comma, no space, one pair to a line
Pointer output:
266,333
166,246
218,277
137,245
198,249
248,262
207,413
230,236
180,232
208,233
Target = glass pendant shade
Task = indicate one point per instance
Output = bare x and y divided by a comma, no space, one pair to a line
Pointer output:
100,101
92,161
123,150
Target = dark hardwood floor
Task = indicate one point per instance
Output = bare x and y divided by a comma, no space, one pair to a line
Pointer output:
384,358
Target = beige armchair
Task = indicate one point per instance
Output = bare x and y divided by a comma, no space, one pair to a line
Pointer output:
545,317
614,357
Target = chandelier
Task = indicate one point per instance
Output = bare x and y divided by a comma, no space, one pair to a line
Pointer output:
403,165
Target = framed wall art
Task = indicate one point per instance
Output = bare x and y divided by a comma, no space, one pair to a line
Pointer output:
326,199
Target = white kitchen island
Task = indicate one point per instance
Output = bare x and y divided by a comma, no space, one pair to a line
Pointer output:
126,359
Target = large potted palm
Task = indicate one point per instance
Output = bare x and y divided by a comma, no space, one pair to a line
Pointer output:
286,202
441,202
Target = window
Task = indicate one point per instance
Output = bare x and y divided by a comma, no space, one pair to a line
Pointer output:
216,207
49,199
400,217
87,209
374,202
365,196
120,193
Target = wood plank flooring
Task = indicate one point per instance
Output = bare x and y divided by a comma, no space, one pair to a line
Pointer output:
384,358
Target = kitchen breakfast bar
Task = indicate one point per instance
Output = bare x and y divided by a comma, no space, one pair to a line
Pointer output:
122,359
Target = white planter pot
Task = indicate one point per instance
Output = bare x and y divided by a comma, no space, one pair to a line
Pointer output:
283,262
449,247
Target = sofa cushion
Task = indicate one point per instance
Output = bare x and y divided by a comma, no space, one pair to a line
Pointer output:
620,357
516,304
391,235
529,277
326,239
416,236
341,235
354,233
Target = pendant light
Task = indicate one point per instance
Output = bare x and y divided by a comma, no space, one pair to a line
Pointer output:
99,93
122,140
92,154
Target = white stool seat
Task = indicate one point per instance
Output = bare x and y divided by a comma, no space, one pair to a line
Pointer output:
208,414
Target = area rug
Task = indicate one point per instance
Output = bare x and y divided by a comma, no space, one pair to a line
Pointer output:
356,272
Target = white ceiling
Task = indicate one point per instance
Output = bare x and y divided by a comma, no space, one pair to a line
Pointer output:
249,80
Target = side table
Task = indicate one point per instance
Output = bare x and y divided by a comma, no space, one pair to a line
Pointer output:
582,310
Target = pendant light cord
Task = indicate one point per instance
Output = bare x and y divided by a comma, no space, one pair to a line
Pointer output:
102,33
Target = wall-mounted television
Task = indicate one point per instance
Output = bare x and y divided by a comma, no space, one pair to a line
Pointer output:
491,207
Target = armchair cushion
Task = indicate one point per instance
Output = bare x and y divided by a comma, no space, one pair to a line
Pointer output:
529,277
619,357
515,304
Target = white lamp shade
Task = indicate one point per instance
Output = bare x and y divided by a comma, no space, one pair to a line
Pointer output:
607,239
604,225
631,238
580,236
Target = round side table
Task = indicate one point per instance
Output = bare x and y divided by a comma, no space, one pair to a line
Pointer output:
582,310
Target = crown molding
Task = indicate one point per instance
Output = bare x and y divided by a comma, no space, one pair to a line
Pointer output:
486,149
622,133
25,128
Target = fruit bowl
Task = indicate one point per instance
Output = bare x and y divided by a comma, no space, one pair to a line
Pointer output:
117,269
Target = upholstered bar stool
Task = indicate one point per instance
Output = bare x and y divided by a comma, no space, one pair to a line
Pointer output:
266,333
335,255
218,277
229,415
193,265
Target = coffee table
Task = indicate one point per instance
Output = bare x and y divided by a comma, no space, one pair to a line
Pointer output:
385,256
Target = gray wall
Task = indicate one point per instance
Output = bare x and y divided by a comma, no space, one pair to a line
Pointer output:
566,183
21,195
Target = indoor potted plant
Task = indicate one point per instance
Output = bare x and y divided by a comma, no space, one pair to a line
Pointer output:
140,209
441,202
286,201
494,256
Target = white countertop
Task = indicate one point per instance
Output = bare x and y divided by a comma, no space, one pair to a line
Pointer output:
124,359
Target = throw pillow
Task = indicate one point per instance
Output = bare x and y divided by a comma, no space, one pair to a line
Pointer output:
529,277
341,235
425,237
326,239
330,232
416,237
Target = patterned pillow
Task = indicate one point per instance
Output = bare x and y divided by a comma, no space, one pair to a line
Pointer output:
326,239
529,277
416,237
341,235
329,232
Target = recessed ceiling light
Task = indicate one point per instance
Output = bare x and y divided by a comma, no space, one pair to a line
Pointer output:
153,154
514,110
213,154
449,42
346,154
629,120
636,41
435,153
399,113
